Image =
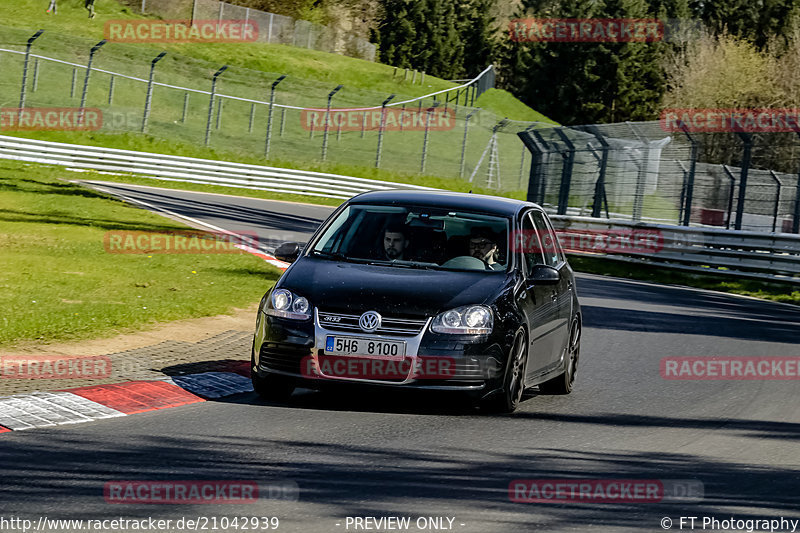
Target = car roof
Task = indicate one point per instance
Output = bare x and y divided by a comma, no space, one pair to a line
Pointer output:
444,199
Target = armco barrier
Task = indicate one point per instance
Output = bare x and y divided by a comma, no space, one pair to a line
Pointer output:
745,254
176,168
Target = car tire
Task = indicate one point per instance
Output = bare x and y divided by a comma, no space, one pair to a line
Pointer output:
509,398
564,382
271,387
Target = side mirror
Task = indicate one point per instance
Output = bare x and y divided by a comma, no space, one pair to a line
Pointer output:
288,252
544,275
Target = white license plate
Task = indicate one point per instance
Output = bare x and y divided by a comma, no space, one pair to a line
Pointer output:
336,345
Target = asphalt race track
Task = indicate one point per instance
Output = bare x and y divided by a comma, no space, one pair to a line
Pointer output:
395,454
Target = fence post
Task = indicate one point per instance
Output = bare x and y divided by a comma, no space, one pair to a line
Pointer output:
283,119
94,49
74,82
687,209
252,118
269,115
25,69
600,197
35,74
730,195
425,137
796,214
777,200
111,90
464,144
144,5
533,142
363,123
747,141
211,102
380,131
327,122
269,33
185,107
566,172
220,104
148,100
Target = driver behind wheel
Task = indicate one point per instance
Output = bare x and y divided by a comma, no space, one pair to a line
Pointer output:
483,246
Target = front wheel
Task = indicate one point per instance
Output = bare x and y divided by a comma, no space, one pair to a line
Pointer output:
271,387
514,383
563,383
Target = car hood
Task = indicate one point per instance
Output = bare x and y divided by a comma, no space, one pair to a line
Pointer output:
354,288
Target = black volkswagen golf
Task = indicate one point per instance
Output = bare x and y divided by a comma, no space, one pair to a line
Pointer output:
430,290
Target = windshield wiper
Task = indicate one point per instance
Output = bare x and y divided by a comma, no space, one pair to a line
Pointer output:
424,266
339,256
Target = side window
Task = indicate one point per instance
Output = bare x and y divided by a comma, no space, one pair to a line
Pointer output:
529,244
549,240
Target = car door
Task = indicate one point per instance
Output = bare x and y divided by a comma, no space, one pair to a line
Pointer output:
561,293
535,300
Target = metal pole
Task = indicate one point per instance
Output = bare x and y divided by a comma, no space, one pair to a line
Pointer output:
600,184
74,82
35,74
211,102
777,200
185,106
532,141
149,99
464,144
283,119
566,173
269,115
327,122
796,214
363,124
194,11
111,90
220,104
380,130
252,117
94,49
730,195
425,137
269,32
25,70
747,141
682,201
687,210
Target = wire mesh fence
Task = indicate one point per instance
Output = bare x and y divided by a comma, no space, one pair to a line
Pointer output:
643,172
180,108
271,28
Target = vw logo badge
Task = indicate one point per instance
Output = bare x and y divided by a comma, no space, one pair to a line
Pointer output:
369,321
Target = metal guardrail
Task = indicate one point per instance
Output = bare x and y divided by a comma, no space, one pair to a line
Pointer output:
188,169
745,254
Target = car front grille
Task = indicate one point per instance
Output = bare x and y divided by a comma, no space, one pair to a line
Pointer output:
402,327
282,357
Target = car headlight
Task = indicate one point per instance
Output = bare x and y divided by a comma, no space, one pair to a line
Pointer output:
287,305
466,320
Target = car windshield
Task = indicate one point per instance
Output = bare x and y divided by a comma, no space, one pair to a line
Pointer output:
416,237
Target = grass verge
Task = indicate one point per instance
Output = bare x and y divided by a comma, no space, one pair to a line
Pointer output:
776,292
60,284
